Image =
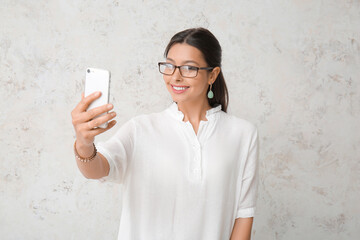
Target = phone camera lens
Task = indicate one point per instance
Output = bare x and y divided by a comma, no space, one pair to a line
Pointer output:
88,70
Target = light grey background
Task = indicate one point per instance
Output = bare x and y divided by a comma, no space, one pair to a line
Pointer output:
292,68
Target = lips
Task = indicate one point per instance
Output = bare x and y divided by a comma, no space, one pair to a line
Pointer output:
179,86
185,88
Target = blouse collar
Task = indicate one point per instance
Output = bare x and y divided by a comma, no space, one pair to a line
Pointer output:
175,112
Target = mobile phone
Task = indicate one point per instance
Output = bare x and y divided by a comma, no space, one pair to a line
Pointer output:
98,80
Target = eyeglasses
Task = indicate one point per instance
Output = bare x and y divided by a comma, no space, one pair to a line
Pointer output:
185,70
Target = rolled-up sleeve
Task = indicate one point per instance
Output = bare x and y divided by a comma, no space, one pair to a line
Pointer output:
118,150
249,181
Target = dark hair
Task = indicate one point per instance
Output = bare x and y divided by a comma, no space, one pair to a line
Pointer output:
207,43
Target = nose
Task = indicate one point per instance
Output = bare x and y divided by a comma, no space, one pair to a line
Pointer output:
176,75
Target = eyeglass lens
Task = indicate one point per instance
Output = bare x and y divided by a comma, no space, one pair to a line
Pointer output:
185,71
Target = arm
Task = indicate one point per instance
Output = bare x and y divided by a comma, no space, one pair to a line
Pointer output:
97,168
247,201
85,123
242,229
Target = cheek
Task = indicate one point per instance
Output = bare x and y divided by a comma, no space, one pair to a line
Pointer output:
166,79
200,82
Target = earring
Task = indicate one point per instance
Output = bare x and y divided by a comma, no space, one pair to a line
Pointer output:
210,93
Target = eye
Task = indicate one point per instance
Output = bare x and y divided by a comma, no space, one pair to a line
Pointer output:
168,65
189,68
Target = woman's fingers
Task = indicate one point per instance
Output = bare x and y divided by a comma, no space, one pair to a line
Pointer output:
98,110
97,131
86,101
100,120
86,123
80,115
91,114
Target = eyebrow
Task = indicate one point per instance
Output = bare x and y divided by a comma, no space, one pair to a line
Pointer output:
188,61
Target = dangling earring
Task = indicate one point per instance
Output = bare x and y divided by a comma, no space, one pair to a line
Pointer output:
210,93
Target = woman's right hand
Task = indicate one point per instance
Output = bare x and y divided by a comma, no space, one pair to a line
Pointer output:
84,121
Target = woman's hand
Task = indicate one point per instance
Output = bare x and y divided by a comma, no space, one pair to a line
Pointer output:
84,121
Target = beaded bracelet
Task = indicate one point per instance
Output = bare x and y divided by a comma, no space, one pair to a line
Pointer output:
88,159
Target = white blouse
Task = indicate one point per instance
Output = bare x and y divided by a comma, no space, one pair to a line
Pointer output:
179,185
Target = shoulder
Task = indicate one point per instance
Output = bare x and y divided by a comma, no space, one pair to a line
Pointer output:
149,119
237,124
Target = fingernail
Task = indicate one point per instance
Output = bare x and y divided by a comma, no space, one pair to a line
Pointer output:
113,114
97,94
109,106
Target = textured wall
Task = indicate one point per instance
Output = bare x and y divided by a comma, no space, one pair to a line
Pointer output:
292,68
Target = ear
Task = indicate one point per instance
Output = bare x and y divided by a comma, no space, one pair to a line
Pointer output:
213,75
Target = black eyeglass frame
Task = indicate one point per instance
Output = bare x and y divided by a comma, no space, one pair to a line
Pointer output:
197,69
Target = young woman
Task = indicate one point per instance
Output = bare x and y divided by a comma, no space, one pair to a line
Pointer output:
189,171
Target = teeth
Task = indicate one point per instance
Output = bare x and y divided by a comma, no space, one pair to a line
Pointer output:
179,88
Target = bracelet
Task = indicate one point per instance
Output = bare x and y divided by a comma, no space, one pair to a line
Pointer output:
88,159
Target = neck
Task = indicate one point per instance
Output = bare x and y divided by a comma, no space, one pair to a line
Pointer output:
194,111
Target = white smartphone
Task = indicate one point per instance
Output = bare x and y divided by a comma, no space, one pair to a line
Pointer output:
98,80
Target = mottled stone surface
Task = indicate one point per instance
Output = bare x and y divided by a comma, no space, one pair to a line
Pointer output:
292,68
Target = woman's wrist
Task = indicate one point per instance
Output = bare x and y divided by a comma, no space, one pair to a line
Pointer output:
84,153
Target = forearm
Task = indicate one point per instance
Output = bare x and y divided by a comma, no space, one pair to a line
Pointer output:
242,229
98,167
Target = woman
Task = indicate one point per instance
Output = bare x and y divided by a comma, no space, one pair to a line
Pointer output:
189,171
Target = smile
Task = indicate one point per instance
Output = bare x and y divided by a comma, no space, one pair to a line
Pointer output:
179,89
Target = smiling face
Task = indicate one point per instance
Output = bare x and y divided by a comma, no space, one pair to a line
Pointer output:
196,88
